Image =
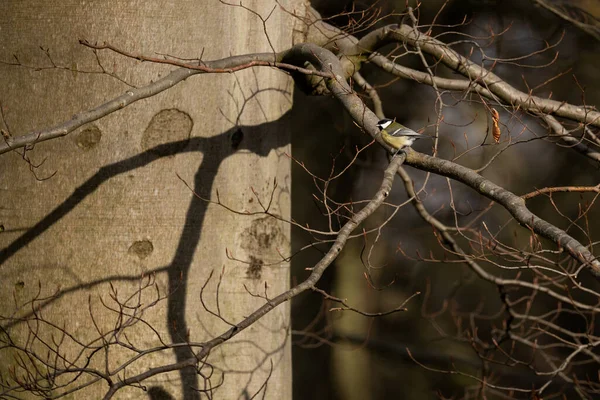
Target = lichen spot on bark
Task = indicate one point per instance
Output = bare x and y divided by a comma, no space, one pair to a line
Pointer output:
141,248
254,270
262,235
168,132
261,240
88,138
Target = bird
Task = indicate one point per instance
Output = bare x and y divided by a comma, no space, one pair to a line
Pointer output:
397,135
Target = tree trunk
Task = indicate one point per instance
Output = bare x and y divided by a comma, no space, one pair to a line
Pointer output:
115,229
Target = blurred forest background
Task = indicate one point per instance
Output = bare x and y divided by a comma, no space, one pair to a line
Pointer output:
342,355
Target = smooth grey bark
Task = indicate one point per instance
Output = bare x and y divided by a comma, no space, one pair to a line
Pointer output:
115,212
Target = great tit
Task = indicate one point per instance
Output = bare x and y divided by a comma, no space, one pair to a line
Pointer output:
397,135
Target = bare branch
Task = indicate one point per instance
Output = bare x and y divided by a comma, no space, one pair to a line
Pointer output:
511,202
561,189
226,65
307,284
592,28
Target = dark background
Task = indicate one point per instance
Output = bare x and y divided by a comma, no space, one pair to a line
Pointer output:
342,356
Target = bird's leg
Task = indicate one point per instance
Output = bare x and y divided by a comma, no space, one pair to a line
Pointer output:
395,154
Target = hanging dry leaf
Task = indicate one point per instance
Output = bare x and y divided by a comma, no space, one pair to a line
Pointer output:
495,126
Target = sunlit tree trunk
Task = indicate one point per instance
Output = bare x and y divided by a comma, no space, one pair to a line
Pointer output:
113,228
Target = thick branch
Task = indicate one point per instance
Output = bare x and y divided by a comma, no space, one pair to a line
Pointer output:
78,120
465,85
478,74
558,130
225,65
352,50
352,54
511,202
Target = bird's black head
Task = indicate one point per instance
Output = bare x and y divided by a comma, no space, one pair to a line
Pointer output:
384,123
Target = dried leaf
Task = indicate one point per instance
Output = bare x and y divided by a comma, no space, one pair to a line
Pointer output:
495,127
